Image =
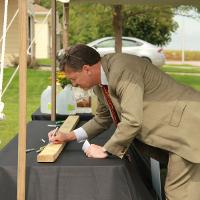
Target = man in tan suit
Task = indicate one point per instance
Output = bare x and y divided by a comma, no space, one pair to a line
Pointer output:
149,106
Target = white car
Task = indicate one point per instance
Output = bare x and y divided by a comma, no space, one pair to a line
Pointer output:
130,45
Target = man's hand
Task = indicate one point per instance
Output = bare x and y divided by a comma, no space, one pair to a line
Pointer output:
61,137
95,151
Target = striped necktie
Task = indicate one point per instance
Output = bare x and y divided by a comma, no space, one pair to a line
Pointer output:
110,104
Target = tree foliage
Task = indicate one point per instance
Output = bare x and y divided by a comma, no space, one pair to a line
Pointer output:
153,24
89,22
92,21
150,23
45,3
188,11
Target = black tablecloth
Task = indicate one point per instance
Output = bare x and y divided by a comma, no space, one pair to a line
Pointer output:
73,176
37,115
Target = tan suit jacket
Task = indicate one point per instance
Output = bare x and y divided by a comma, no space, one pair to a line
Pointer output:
151,106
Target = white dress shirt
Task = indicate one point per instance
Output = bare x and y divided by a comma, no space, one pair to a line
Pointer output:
80,133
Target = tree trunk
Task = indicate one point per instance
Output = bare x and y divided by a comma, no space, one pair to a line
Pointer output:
117,25
37,1
65,25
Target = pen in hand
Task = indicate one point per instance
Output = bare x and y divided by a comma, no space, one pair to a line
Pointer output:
55,132
57,137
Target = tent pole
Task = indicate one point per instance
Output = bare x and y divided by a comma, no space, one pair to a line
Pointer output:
21,178
53,62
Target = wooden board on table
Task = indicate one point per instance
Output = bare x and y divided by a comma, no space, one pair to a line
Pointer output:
51,152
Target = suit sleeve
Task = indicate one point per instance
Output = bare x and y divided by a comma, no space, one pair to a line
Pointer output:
130,94
100,122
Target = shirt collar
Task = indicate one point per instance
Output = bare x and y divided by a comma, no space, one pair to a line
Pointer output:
104,80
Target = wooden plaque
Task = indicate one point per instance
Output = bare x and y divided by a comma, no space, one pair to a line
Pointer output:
51,152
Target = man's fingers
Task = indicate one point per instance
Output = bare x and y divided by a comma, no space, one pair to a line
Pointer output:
55,138
89,155
50,135
57,142
95,151
86,151
52,138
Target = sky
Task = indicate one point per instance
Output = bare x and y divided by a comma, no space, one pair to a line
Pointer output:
187,36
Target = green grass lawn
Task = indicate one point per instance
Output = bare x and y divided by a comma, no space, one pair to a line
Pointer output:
36,83
190,80
193,81
44,61
180,69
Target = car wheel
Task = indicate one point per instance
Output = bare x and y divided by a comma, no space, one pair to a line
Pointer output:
147,59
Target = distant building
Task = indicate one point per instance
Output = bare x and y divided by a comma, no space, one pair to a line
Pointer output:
42,32
38,28
12,39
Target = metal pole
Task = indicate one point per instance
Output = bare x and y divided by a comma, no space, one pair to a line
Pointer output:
21,178
53,63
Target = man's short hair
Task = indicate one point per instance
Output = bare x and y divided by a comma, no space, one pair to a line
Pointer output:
77,56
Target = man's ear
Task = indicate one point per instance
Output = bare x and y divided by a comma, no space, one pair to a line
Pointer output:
87,68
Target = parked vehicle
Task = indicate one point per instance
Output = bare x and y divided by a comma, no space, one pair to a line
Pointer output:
131,45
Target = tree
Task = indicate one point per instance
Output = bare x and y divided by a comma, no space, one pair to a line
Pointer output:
117,26
45,3
150,23
153,24
188,11
86,21
92,21
89,22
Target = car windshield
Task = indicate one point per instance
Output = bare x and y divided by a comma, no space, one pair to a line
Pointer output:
130,43
110,43
107,43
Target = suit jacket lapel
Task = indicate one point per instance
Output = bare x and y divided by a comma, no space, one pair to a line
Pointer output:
115,101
